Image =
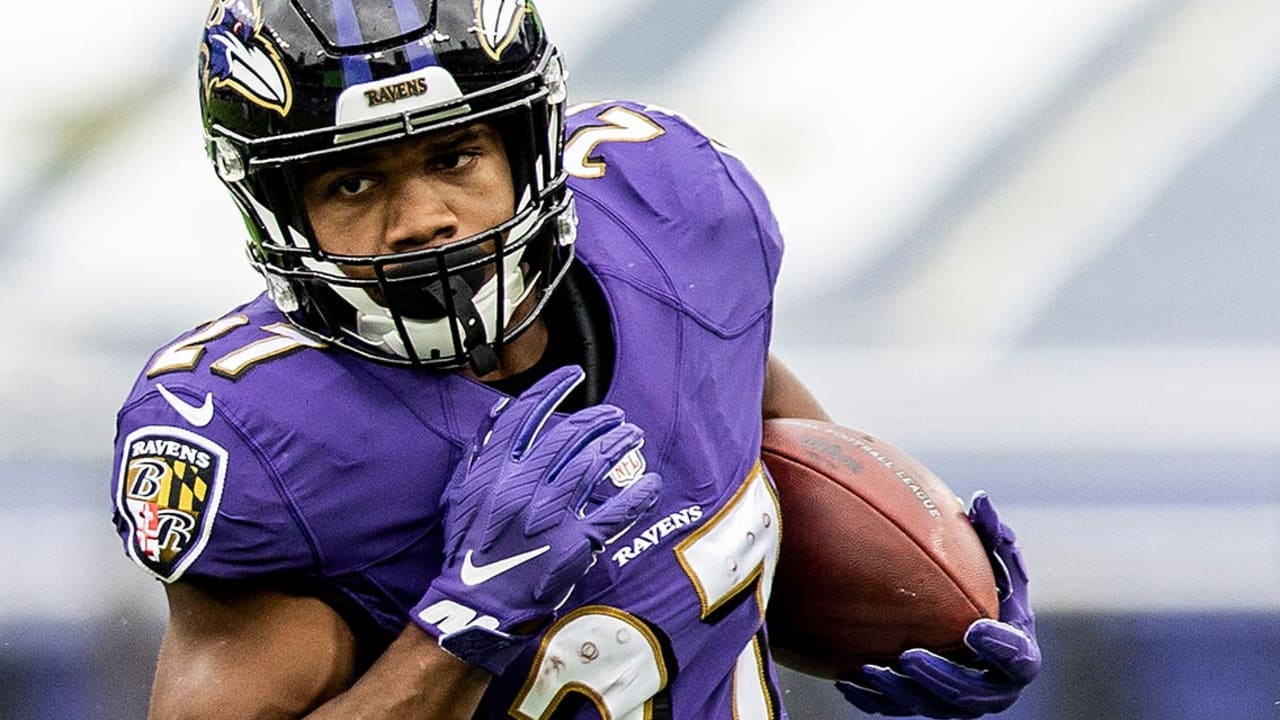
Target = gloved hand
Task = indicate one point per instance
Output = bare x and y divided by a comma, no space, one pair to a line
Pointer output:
1009,656
517,535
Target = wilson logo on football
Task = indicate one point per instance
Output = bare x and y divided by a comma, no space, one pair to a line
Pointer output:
169,486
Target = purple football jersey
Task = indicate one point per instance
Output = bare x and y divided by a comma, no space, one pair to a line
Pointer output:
246,452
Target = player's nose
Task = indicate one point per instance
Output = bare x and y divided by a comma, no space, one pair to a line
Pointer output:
419,216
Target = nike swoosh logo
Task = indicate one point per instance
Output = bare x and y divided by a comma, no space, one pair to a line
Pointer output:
476,574
198,416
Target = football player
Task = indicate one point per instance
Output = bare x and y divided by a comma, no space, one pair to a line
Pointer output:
400,483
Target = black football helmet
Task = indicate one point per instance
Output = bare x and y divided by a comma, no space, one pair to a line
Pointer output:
287,82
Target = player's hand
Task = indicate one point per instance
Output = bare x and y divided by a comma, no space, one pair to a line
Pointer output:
1008,653
518,536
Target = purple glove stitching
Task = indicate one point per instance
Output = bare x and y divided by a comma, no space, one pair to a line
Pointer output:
516,538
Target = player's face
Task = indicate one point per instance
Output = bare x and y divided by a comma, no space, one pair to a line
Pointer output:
414,194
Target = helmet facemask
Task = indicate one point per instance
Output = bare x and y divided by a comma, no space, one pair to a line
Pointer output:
441,307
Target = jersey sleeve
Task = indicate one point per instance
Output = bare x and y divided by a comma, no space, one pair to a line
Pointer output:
767,229
193,498
704,223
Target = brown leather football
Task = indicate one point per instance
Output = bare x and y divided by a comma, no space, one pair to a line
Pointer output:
877,553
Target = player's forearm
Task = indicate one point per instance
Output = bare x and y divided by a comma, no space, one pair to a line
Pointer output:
414,679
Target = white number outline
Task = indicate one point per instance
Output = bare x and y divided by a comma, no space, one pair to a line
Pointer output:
751,697
751,700
288,339
736,518
624,125
544,663
185,354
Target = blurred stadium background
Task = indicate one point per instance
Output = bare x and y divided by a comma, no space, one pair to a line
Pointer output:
1035,243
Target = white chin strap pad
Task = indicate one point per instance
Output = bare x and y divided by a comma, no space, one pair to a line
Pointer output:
434,338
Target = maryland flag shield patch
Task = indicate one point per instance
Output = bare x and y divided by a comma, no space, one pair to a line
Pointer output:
168,491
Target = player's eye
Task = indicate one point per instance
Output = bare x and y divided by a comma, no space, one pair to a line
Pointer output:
452,160
350,186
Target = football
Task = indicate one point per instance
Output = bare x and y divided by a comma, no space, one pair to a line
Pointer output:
877,554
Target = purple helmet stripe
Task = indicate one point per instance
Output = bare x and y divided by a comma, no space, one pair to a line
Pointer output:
420,54
355,69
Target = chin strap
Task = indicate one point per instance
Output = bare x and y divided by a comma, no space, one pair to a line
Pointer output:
483,360
461,304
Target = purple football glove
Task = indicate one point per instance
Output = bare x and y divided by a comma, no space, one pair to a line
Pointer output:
518,536
1008,654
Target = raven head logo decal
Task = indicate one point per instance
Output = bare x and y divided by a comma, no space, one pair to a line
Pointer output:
236,55
498,23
